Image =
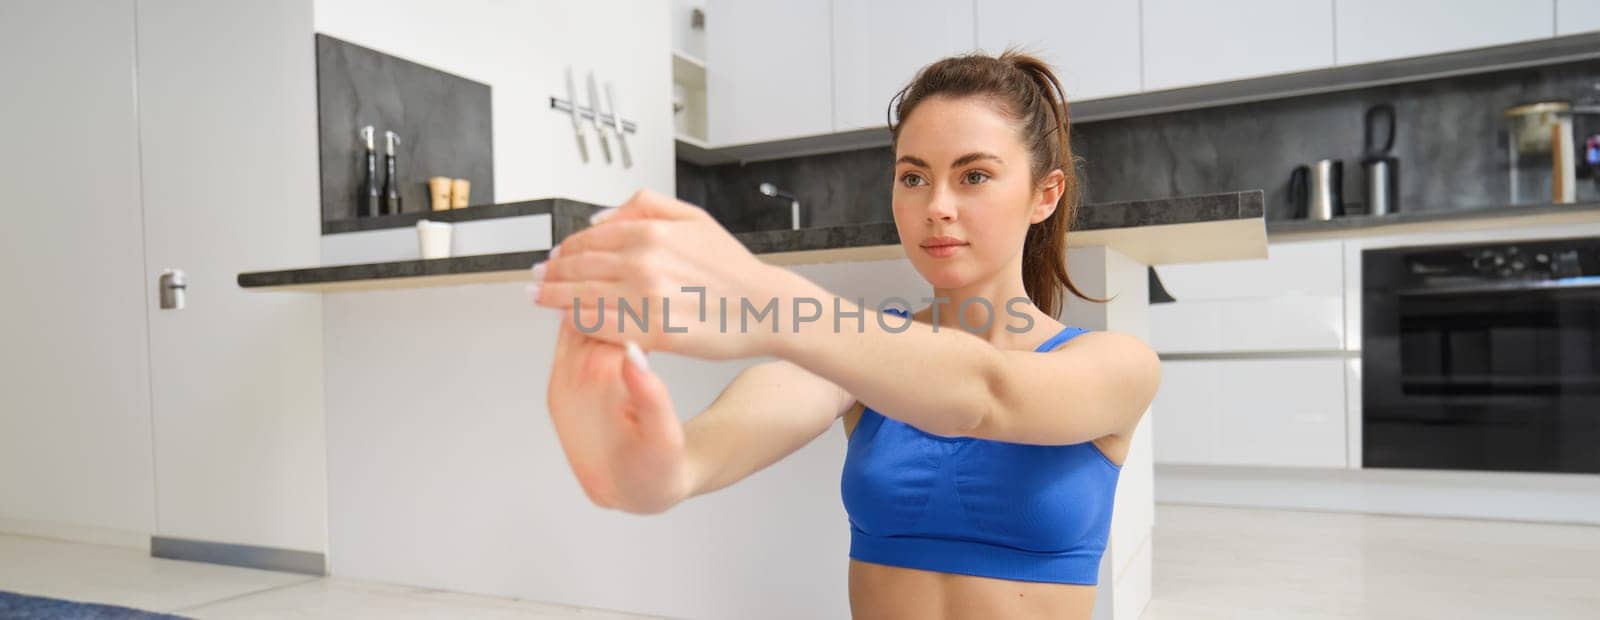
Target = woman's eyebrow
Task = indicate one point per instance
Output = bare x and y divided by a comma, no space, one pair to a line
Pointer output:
960,161
975,156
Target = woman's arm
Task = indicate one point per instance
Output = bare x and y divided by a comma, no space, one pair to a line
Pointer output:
948,382
951,382
769,411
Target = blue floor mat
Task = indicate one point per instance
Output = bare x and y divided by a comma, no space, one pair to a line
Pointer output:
15,606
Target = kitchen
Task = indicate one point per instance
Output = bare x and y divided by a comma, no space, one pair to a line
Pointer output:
348,394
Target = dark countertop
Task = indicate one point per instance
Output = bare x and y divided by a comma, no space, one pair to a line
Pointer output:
552,206
1342,226
569,216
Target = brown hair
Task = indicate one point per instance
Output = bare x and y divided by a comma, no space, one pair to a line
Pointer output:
1023,88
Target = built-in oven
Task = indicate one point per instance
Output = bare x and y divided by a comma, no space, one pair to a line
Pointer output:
1482,357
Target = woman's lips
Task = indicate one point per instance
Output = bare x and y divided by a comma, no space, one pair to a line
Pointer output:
942,247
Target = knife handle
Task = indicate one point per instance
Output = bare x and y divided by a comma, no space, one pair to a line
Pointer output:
594,108
616,124
577,124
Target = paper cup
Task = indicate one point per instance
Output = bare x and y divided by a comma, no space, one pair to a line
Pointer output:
434,237
439,188
460,191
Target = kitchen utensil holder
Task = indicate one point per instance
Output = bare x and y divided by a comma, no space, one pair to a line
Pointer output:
565,107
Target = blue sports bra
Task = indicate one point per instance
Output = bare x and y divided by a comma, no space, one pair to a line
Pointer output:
977,506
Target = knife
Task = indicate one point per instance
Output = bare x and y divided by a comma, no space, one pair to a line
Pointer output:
616,123
594,106
577,127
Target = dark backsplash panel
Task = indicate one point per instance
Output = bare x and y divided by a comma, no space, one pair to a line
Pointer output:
834,189
444,122
1449,139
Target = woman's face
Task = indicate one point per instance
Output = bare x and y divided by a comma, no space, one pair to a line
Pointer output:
964,195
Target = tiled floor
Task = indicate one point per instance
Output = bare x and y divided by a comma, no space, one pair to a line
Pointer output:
1245,564
131,578
1209,563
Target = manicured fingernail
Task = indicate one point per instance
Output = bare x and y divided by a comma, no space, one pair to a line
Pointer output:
601,215
554,250
533,292
636,355
538,271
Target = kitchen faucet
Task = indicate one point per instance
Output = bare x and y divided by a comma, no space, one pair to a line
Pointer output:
794,203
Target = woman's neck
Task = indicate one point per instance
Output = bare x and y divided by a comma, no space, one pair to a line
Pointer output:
990,310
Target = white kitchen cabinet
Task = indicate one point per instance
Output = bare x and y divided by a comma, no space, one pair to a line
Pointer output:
1092,44
1575,16
1252,412
768,68
1375,30
1188,43
1185,414
1293,300
1292,268
1290,323
879,45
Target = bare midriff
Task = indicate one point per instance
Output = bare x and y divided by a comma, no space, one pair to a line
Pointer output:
880,591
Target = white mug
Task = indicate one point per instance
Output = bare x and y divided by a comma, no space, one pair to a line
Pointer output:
434,238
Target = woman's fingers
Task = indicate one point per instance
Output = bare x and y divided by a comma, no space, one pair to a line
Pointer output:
614,236
584,293
622,226
648,204
652,404
605,266
567,337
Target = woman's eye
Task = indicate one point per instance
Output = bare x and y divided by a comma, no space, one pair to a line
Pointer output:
911,180
976,177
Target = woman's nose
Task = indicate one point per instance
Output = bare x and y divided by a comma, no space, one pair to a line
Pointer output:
941,206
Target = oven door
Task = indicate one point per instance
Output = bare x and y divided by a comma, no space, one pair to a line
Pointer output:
1501,377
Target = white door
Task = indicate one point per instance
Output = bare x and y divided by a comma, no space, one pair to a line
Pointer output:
878,46
227,119
75,418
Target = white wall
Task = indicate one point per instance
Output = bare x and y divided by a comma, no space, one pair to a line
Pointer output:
444,470
75,454
521,50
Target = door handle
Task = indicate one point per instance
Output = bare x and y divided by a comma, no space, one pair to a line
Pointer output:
172,289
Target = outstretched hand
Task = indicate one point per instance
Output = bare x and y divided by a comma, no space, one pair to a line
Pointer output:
646,253
616,424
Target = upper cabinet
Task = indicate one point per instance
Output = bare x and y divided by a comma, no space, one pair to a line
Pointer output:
782,69
1188,43
1374,30
1575,16
1093,44
767,70
878,46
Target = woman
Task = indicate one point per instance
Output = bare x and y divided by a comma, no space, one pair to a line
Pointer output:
982,461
